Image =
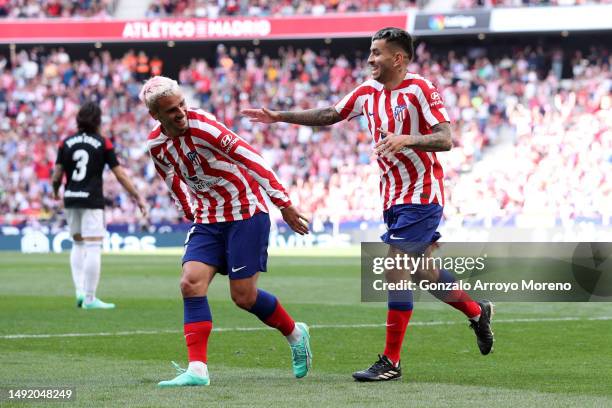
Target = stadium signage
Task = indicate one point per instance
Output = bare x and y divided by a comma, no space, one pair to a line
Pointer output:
452,23
83,31
534,19
34,241
166,30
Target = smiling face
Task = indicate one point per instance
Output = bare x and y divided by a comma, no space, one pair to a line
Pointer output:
386,61
171,112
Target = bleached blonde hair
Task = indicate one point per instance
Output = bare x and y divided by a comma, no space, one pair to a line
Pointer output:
157,87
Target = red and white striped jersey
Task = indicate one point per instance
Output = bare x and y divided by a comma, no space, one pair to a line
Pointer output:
222,172
409,176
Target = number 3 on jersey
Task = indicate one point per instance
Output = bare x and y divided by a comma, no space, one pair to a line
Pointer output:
81,157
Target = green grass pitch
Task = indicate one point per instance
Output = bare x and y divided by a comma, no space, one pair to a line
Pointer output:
546,354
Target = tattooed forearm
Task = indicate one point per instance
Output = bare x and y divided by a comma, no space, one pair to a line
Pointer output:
311,117
438,141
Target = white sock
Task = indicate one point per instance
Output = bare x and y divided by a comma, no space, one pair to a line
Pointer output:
198,368
77,258
295,336
91,267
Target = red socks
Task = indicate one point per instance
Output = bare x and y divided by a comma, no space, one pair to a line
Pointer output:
280,319
196,337
397,321
463,302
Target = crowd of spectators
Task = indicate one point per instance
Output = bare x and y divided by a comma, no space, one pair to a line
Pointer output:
470,4
257,8
57,8
262,8
556,131
559,166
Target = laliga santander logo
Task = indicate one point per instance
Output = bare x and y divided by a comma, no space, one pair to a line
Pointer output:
436,23
440,22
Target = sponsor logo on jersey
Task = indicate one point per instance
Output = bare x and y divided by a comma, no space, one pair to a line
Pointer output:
227,142
76,194
435,99
199,184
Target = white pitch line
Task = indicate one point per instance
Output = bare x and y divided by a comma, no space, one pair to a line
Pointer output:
313,326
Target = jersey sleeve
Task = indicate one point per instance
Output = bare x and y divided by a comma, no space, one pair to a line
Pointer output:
244,155
110,156
432,105
351,105
166,172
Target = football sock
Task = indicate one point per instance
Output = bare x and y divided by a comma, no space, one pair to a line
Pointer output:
398,315
197,327
295,336
77,259
269,310
198,367
458,299
91,268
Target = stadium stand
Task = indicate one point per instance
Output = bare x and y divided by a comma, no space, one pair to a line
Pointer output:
470,4
57,8
524,131
214,9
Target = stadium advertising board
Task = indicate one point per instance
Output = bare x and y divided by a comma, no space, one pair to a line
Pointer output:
69,30
452,23
41,242
533,19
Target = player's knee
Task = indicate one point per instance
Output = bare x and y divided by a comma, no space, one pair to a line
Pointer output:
244,299
191,287
426,274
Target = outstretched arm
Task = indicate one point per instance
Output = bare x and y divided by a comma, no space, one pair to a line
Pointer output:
311,117
129,187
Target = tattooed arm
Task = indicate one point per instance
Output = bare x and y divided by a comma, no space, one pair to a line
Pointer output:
438,141
311,117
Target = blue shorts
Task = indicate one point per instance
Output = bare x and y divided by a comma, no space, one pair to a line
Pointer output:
412,227
237,248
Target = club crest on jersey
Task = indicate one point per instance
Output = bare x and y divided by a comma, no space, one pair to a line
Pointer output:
400,113
194,158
